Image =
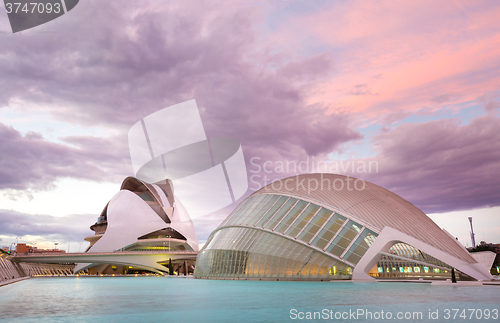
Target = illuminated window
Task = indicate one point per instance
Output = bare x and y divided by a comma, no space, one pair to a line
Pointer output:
380,269
302,220
362,243
315,224
328,232
344,238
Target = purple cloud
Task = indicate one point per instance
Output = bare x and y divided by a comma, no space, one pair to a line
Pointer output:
112,64
49,227
131,61
442,166
30,162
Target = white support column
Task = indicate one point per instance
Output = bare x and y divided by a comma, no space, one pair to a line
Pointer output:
390,236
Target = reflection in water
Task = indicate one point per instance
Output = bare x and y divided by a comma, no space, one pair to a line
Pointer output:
130,299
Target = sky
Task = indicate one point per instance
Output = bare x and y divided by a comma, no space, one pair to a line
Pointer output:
412,87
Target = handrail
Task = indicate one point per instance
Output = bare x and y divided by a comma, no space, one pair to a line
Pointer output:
104,253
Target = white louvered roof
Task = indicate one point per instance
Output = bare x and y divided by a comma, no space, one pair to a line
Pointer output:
373,204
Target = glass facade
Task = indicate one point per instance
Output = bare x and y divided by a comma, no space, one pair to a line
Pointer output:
272,236
410,262
277,236
240,252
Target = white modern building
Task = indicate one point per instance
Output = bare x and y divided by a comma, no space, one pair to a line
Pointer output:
326,226
141,227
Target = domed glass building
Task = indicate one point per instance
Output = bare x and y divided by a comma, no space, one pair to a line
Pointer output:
326,226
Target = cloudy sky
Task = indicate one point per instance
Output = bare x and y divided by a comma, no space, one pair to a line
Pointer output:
413,86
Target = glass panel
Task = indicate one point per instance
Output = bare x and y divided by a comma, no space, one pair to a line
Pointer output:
302,220
263,206
362,243
281,213
255,207
294,213
146,196
211,240
314,225
328,232
235,215
254,204
344,238
271,256
273,210
262,211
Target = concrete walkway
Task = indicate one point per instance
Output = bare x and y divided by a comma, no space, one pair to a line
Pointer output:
11,281
426,281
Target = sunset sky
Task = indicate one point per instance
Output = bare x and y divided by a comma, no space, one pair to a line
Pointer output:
413,86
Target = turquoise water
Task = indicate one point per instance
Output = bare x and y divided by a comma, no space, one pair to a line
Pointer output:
146,299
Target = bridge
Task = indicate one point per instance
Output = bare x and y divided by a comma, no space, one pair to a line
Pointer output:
124,258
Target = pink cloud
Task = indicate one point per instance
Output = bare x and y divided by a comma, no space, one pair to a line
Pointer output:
297,90
419,51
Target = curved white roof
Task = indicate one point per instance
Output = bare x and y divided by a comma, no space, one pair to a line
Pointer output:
369,203
175,211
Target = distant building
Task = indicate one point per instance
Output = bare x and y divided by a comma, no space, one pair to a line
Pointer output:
22,248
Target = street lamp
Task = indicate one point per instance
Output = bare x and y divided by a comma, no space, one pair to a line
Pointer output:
165,243
33,243
80,249
55,245
10,248
17,240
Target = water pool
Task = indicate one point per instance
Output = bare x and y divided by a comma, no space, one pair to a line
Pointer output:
145,299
